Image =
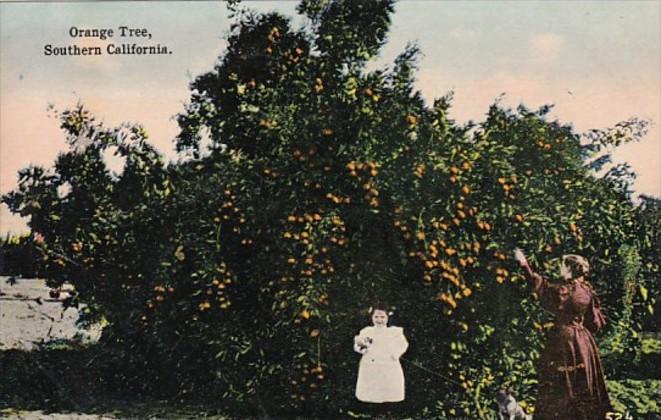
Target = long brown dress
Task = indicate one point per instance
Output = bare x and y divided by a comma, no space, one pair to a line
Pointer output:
571,381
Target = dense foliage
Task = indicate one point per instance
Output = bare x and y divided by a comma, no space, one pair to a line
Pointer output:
17,256
244,269
649,221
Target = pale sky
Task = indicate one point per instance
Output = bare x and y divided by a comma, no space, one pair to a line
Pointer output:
599,62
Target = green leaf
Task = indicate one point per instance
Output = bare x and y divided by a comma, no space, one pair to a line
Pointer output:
179,253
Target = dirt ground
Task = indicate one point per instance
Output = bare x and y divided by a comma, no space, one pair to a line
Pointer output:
152,411
28,315
40,415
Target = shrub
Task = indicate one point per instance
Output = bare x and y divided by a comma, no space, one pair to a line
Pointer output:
244,270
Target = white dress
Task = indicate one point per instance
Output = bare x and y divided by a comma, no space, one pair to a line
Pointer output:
380,375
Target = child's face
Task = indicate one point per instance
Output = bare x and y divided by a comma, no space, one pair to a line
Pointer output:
379,318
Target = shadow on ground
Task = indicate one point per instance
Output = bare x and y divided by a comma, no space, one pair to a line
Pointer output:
72,379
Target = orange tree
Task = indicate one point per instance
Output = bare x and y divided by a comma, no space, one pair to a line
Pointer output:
649,221
17,254
245,269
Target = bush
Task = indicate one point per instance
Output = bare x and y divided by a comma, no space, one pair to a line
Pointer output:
636,397
243,271
17,256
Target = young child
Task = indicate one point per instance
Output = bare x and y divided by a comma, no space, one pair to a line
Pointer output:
380,375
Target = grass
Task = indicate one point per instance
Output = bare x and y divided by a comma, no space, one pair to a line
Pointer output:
638,397
128,410
48,380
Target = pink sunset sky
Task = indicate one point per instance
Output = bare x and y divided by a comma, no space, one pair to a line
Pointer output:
598,62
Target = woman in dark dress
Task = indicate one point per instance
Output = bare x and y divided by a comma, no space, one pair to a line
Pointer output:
571,381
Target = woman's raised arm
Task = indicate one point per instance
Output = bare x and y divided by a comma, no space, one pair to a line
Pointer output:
550,297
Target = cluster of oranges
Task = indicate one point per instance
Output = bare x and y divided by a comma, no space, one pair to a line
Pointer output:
446,263
318,85
338,199
399,223
313,234
370,94
306,313
419,170
314,260
273,37
270,173
576,232
227,208
303,315
310,184
543,145
542,327
302,155
308,378
371,194
364,172
457,171
229,211
274,34
359,169
508,187
216,289
483,225
267,124
305,217
411,120
450,298
160,292
338,231
462,212
465,382
310,266
501,275
440,258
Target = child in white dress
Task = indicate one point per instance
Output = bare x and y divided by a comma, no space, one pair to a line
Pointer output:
380,375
